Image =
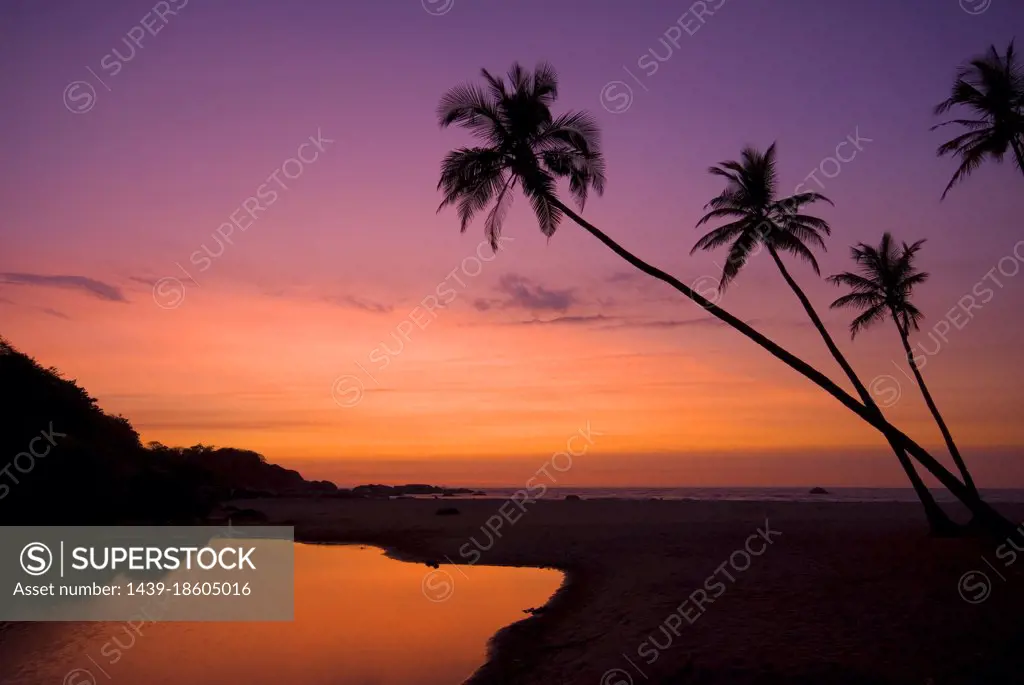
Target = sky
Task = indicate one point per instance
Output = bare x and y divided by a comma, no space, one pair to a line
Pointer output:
134,131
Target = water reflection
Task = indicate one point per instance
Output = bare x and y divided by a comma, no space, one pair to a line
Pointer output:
360,618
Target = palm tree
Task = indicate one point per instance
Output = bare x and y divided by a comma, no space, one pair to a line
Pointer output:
759,218
525,145
992,87
883,288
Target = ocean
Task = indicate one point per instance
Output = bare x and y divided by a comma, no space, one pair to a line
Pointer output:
756,494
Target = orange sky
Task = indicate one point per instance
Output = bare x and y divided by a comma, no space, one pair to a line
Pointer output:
235,366
111,194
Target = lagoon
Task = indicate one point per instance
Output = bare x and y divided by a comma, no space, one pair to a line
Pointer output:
360,617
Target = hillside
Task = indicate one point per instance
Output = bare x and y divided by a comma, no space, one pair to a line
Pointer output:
64,460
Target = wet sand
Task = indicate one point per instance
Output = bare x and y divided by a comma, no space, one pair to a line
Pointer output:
712,592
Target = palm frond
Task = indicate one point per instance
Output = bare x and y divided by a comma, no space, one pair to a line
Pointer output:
864,300
859,283
885,284
468,106
787,242
720,213
545,83
464,170
761,217
525,146
992,88
867,318
720,236
739,252
540,188
496,217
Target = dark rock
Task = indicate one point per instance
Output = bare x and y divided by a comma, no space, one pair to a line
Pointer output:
819,491
447,511
572,498
378,490
243,517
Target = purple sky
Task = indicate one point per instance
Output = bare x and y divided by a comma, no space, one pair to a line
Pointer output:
194,122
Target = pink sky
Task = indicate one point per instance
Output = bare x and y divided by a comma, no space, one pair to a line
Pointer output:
547,336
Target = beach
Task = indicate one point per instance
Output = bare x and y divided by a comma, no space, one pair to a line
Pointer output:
665,591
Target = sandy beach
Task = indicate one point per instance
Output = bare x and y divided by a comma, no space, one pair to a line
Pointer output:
711,592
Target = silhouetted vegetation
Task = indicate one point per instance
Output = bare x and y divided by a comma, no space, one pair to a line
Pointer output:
523,143
758,218
991,89
883,289
63,460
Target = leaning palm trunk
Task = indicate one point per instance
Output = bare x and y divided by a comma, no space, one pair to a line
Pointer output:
938,520
946,435
986,515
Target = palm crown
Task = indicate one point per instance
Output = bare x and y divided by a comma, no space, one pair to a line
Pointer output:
884,285
760,217
523,144
992,87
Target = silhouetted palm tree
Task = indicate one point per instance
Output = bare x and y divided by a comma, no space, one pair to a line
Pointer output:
883,288
992,86
524,144
758,218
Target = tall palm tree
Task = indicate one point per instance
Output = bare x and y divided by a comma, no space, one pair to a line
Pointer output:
525,145
883,288
758,218
992,87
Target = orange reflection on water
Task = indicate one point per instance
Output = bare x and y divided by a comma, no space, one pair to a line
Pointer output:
360,617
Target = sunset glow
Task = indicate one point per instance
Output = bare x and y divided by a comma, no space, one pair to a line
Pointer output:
347,328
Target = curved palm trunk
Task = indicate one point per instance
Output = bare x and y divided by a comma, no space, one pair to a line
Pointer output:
953,451
985,514
938,520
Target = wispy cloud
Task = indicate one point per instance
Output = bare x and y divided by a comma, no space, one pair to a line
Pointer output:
145,280
604,322
673,323
361,303
519,292
54,312
568,320
102,290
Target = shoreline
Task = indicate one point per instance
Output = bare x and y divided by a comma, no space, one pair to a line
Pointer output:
852,593
501,640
